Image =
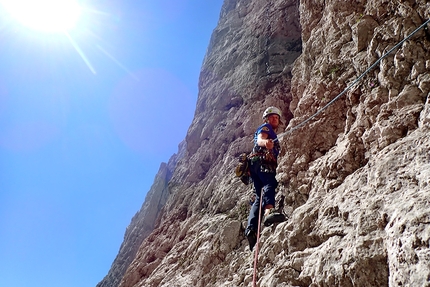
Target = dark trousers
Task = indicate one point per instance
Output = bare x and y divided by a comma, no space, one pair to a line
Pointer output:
263,181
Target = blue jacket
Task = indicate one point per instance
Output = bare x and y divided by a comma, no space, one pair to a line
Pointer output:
267,129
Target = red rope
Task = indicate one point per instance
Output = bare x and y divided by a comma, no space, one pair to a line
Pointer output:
254,277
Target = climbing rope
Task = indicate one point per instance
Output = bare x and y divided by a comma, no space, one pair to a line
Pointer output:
268,30
254,277
351,85
266,56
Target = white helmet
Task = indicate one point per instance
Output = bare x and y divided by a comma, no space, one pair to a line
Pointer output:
272,110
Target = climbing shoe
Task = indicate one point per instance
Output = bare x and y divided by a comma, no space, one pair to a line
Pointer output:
252,238
273,217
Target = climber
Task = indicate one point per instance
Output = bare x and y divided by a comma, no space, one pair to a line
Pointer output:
263,161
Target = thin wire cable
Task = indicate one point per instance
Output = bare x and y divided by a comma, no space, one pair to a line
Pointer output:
353,83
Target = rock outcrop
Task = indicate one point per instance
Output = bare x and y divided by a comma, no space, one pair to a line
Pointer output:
143,222
354,181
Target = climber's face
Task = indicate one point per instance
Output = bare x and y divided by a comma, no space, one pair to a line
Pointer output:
273,120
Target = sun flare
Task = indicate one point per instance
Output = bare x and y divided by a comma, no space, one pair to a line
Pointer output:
45,15
61,21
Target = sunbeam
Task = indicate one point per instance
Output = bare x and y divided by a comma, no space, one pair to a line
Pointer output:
81,53
117,62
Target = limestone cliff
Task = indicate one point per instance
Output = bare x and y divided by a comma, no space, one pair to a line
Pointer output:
143,222
354,181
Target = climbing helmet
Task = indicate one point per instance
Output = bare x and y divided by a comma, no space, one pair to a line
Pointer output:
270,111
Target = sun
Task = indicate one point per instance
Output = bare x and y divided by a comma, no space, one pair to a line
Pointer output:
60,21
49,16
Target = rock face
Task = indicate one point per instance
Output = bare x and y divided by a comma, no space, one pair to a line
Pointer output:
354,180
143,222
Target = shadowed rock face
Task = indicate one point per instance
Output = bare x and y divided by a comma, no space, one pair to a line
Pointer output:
143,222
355,179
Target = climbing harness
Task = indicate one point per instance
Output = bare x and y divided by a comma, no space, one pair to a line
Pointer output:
351,85
254,279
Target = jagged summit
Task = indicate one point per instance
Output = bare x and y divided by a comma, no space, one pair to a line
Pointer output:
355,180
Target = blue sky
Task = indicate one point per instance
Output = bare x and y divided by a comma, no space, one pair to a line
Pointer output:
85,121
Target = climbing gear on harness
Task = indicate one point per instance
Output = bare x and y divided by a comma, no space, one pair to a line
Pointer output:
255,156
273,217
263,156
242,169
272,110
266,159
269,157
